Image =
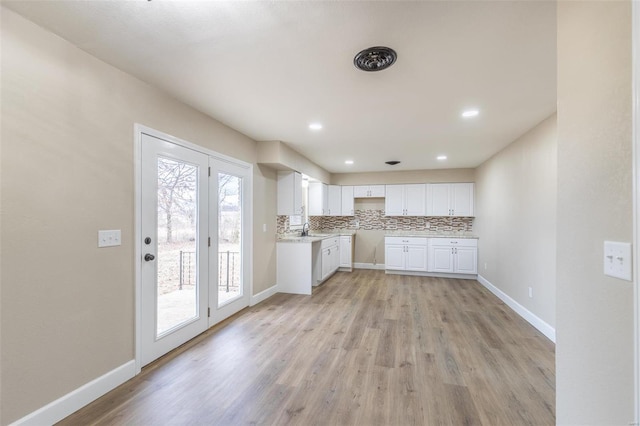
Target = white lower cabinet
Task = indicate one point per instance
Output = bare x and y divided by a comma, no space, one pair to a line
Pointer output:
453,255
330,256
346,250
406,253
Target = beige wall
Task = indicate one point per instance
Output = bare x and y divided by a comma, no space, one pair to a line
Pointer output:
67,170
280,156
409,176
594,352
516,219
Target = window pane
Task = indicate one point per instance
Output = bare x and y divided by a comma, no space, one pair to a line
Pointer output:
229,237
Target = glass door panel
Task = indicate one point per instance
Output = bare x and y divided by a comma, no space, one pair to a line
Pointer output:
230,286
177,280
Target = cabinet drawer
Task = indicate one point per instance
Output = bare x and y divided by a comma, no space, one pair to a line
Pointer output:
406,241
454,242
330,242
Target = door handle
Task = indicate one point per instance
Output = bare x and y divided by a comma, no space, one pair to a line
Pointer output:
148,257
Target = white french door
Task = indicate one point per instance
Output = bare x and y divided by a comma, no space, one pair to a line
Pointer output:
174,231
229,224
194,230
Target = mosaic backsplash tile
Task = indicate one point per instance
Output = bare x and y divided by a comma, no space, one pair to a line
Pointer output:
376,220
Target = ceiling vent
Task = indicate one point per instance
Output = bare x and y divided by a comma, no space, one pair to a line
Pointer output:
375,58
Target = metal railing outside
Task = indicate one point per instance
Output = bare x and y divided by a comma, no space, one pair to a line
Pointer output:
228,270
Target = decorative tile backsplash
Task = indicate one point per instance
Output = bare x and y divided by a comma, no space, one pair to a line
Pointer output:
376,220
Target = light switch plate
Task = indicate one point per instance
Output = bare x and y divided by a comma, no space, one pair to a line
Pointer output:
617,260
109,238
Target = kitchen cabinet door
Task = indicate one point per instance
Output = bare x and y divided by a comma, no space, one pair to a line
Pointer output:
394,257
289,195
416,258
347,207
466,260
335,258
461,199
414,199
369,191
440,259
334,201
318,199
345,252
394,200
377,191
326,263
438,199
360,191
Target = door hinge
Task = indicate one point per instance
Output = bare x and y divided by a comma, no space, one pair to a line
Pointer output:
209,241
209,171
208,312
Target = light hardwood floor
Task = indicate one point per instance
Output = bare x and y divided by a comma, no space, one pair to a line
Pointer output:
366,348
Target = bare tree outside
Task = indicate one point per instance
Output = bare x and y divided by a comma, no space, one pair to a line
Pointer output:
177,215
176,189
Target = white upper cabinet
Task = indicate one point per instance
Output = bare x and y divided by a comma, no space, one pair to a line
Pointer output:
325,200
462,199
347,207
369,191
405,200
318,199
335,201
289,193
450,199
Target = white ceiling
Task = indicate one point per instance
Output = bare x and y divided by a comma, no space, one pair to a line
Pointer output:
268,69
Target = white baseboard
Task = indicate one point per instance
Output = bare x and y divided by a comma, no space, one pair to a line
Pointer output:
263,295
74,400
368,266
532,319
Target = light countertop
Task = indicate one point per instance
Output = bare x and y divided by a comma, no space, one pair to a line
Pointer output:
314,236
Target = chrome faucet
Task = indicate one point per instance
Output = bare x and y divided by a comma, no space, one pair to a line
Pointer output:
305,229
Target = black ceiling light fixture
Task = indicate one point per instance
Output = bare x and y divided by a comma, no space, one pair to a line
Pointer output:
375,58
392,162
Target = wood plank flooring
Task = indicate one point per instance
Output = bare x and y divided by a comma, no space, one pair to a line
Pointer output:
365,349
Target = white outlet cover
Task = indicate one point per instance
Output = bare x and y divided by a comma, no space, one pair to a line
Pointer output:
617,260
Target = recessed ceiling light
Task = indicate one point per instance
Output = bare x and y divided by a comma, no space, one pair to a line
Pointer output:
315,126
441,157
470,113
348,162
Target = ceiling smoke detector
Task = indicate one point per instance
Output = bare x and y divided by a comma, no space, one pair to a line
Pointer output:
392,163
375,58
